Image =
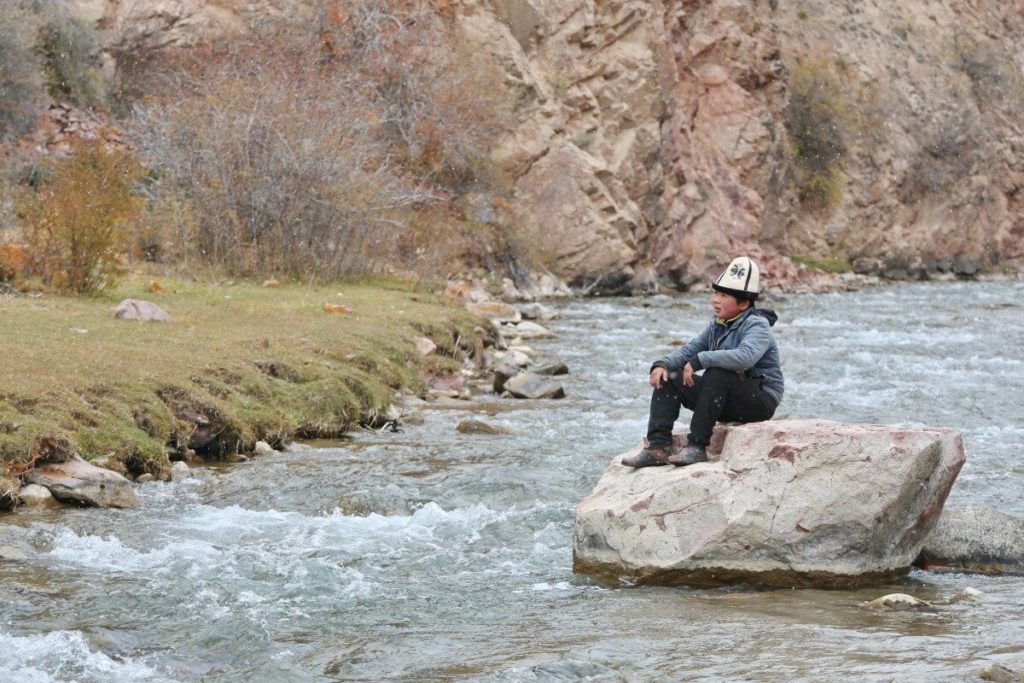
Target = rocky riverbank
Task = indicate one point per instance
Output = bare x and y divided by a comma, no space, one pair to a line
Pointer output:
228,371
234,364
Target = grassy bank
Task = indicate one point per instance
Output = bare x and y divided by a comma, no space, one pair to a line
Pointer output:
241,361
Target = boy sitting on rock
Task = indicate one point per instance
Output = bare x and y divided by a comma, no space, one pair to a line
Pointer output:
742,380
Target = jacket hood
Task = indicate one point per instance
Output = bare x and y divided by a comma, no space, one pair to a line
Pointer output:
766,313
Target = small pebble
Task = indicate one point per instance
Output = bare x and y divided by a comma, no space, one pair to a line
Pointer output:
967,595
179,471
895,601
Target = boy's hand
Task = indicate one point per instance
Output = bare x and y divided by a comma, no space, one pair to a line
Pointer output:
688,375
658,377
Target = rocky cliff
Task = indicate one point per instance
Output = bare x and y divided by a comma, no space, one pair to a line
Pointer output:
654,139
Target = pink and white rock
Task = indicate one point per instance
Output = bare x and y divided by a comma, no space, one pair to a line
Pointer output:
784,503
80,482
529,385
141,310
424,346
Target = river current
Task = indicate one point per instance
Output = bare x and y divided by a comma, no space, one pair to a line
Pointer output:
432,555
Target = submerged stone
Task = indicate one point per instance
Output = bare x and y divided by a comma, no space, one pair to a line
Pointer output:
967,595
895,601
997,673
10,554
481,427
785,503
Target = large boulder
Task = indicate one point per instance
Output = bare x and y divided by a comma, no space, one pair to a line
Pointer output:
82,483
977,538
784,503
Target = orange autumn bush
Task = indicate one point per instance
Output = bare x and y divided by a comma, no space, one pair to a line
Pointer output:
76,225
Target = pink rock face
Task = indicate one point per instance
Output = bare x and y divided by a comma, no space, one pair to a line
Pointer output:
789,502
82,483
141,310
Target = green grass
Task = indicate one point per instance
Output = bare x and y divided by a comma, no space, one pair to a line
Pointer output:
260,363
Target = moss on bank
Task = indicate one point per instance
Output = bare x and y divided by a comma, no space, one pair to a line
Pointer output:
240,363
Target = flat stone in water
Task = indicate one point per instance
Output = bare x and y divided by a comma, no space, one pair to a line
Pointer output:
549,369
895,601
9,554
535,311
997,673
481,427
529,385
530,330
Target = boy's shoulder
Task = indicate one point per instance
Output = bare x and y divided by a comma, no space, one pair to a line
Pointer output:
762,316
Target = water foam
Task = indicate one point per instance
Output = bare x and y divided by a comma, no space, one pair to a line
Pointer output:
63,656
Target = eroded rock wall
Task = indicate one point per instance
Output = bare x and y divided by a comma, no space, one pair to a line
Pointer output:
655,140
650,139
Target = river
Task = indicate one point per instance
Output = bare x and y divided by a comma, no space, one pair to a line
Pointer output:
432,555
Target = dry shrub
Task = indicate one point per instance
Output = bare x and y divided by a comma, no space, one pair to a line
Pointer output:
14,262
76,225
21,87
948,150
279,167
815,121
44,48
311,154
437,100
70,55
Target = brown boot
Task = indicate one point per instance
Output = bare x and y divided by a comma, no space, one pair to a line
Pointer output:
649,457
692,454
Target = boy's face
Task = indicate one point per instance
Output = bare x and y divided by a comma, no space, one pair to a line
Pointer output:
727,306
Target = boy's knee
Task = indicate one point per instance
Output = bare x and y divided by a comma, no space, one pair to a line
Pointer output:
718,375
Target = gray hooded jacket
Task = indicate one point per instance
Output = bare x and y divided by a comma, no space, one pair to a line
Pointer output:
747,345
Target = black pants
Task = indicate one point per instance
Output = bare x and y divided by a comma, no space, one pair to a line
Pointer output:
717,395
